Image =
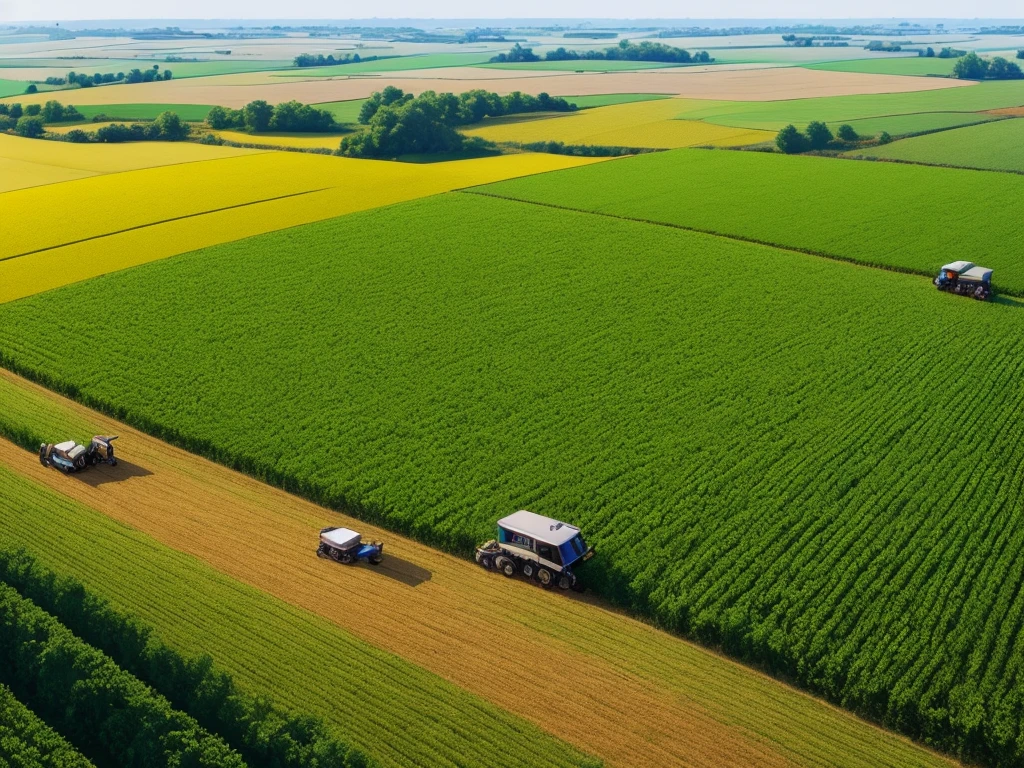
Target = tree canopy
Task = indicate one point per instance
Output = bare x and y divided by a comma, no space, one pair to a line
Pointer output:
624,51
259,116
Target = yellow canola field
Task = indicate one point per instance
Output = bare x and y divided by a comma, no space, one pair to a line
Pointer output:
647,124
287,140
32,162
187,207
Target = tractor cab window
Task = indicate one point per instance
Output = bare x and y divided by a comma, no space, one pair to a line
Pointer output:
578,546
549,553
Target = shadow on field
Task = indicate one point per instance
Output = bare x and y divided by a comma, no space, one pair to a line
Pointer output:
103,473
1008,301
404,571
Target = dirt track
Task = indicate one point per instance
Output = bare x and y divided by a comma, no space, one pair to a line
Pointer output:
637,695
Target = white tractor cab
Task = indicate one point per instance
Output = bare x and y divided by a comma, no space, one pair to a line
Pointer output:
539,547
966,279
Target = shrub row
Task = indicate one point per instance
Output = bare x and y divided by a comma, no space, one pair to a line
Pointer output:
263,733
28,742
111,716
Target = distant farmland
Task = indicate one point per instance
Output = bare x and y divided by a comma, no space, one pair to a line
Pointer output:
800,490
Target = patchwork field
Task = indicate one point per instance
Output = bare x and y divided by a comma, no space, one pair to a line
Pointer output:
909,65
285,140
887,215
997,146
578,347
191,112
901,125
622,667
649,124
199,204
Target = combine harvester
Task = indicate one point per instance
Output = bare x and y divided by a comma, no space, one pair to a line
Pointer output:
70,457
345,546
963,278
540,548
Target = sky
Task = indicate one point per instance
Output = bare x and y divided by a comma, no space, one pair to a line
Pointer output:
15,10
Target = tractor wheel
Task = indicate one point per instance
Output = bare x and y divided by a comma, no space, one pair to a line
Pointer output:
545,577
376,560
564,582
506,566
528,570
346,558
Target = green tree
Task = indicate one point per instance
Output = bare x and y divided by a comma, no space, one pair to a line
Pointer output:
31,88
884,138
790,140
30,126
390,95
15,111
32,109
970,67
818,135
1001,69
846,133
171,127
167,74
53,111
257,114
930,52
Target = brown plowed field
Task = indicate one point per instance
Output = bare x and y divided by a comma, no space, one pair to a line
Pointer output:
767,84
611,685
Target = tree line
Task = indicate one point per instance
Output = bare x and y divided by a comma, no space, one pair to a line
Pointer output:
401,124
973,67
261,732
818,135
31,120
25,740
624,51
319,60
111,716
259,116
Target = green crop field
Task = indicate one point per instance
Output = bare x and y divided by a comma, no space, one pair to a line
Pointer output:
772,115
606,100
191,112
874,213
397,712
816,465
343,111
912,65
393,64
997,146
12,87
902,125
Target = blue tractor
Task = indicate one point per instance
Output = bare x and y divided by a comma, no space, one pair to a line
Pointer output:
345,546
71,457
542,549
965,279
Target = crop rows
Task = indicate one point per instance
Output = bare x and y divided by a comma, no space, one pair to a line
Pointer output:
906,217
834,493
394,711
27,742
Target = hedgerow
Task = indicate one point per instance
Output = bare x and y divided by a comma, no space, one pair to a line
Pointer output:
812,465
111,716
261,732
28,742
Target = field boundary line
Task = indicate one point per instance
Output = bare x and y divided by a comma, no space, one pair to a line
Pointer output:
162,221
739,238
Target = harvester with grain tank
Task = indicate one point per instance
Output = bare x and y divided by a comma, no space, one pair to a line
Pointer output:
542,549
965,279
69,456
344,545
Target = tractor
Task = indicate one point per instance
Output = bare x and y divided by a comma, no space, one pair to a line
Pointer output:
345,546
965,279
70,457
542,549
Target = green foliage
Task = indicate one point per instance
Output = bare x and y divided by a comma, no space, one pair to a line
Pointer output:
32,88
258,116
973,67
646,50
389,708
30,126
108,714
847,133
28,742
106,112
261,732
818,135
790,140
399,124
515,55
1001,69
884,138
167,127
55,112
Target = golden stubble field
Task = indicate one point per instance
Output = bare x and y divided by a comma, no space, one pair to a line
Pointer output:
635,692
746,84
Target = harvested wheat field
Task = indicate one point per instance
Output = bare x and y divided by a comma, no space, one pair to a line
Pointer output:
649,124
198,204
634,687
31,162
766,84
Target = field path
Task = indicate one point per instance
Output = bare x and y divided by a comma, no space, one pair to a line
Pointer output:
611,685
